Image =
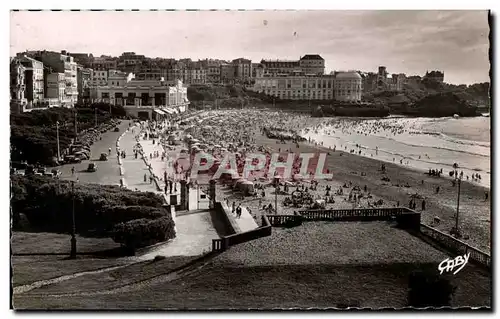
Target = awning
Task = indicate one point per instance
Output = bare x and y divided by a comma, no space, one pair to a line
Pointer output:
168,110
159,112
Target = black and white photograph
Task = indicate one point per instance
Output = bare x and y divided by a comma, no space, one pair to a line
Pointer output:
250,159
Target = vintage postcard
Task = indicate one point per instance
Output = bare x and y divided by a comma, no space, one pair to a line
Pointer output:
235,160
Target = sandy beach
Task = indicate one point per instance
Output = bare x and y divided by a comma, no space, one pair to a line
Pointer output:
474,217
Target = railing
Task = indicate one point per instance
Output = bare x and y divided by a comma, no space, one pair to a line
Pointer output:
217,245
456,245
281,220
356,214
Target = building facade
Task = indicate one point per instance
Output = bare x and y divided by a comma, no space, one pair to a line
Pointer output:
151,93
242,69
104,63
17,83
84,78
348,86
436,76
61,63
312,64
227,73
296,87
34,80
274,67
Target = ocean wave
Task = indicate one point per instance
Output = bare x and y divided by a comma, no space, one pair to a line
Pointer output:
452,139
432,162
436,147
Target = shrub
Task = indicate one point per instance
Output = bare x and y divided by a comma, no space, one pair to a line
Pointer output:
144,232
47,204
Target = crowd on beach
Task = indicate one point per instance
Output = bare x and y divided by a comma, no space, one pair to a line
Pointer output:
241,132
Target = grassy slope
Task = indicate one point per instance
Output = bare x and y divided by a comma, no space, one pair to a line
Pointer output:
315,265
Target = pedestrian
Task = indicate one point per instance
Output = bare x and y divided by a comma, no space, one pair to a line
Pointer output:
485,196
145,178
238,211
73,170
234,208
423,204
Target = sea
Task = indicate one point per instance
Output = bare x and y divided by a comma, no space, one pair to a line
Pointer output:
418,143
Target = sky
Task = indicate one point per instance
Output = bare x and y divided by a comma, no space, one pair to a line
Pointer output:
410,42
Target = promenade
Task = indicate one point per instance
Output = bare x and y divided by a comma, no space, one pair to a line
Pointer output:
195,230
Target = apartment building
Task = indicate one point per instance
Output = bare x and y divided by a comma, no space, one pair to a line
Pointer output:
104,63
34,80
17,85
61,63
312,64
212,68
242,69
84,78
56,89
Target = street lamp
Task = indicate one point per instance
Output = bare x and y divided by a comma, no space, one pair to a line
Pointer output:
73,229
58,147
459,180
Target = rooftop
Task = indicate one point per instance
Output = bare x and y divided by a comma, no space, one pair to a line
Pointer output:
312,57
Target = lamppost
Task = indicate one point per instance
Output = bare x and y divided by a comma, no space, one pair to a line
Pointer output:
459,180
58,147
73,229
76,127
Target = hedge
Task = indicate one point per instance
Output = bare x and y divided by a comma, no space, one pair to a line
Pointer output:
144,232
47,204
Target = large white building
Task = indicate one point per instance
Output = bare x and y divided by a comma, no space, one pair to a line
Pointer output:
348,86
144,98
296,87
341,86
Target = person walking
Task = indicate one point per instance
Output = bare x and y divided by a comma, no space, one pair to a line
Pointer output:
73,170
233,210
238,211
423,204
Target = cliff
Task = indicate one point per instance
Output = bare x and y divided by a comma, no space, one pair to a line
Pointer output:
441,104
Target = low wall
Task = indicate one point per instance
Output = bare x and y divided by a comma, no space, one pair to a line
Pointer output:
455,245
225,242
224,214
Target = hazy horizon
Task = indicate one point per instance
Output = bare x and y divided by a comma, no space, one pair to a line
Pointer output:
411,42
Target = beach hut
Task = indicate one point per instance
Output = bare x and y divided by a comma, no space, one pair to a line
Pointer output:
237,183
247,187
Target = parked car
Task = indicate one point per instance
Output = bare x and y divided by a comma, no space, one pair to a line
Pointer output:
81,155
41,170
116,129
92,167
72,159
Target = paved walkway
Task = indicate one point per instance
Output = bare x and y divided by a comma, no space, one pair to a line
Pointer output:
246,222
194,237
194,231
134,168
